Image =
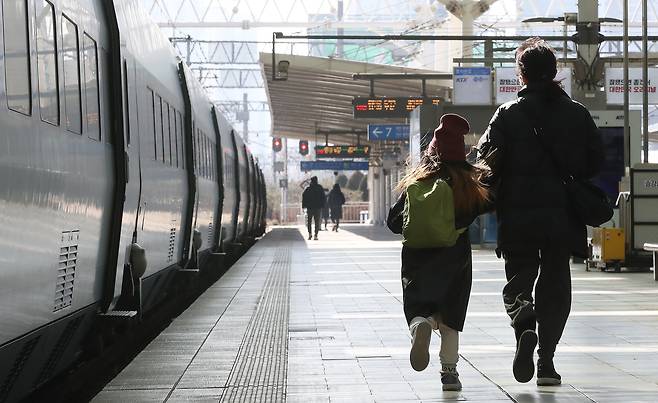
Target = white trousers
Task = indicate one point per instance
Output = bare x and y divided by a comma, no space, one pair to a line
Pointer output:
449,353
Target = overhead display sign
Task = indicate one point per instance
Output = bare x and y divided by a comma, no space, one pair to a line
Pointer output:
389,107
342,151
471,86
388,132
508,84
333,166
614,85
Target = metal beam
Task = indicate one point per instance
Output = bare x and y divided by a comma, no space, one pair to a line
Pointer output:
517,38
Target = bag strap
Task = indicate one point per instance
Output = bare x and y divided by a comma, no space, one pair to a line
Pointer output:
538,130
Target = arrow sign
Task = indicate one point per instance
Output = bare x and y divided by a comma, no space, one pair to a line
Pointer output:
388,132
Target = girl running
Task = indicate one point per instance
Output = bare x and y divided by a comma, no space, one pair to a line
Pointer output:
439,199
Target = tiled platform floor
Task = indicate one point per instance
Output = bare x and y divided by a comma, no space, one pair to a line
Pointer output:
348,341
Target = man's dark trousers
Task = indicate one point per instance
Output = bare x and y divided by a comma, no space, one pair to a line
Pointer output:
552,304
314,214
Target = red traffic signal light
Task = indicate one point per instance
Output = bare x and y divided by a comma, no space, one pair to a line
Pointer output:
276,144
303,147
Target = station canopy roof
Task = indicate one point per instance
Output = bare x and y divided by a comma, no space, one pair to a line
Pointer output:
317,96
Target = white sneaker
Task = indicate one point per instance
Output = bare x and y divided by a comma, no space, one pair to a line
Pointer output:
421,335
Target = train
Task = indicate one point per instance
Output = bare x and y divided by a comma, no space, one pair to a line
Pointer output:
117,177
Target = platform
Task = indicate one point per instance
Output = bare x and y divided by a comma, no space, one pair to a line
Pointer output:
321,321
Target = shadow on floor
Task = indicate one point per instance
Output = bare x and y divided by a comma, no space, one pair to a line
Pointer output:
372,232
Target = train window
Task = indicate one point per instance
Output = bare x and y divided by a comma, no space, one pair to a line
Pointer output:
201,163
166,139
90,59
47,63
157,127
207,155
204,155
17,56
71,75
174,128
126,100
172,136
211,151
181,137
197,154
151,100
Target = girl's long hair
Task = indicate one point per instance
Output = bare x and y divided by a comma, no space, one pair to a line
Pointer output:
469,193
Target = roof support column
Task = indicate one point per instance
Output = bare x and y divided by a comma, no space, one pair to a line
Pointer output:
464,13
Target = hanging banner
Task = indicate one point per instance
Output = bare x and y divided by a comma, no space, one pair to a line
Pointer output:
471,86
508,85
614,85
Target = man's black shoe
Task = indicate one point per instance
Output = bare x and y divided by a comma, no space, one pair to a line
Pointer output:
524,365
546,374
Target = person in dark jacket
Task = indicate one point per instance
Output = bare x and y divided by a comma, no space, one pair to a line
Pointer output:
537,235
325,209
336,200
313,201
436,282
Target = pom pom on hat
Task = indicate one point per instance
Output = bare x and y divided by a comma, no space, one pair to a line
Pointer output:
448,140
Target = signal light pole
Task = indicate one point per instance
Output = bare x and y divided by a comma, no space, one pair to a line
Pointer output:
276,144
303,147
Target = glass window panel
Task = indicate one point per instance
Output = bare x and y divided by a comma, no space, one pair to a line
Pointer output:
181,140
157,128
166,142
47,63
17,56
174,128
90,56
71,75
126,102
172,137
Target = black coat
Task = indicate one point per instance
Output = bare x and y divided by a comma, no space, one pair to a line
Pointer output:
336,200
313,197
436,279
531,202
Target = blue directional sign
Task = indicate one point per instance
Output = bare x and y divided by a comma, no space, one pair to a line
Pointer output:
388,132
333,166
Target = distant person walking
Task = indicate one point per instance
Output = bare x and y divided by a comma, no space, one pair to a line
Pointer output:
336,200
313,201
325,209
530,144
439,199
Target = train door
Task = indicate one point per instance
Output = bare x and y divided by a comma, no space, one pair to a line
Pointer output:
133,162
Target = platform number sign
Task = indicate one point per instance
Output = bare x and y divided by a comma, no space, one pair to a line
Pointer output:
388,132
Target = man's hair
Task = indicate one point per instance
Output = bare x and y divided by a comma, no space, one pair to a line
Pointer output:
314,179
536,61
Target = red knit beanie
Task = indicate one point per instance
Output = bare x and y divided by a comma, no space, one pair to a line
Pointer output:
448,140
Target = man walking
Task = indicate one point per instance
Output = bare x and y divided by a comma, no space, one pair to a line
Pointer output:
313,201
527,145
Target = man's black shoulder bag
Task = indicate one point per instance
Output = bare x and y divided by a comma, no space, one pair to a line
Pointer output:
588,202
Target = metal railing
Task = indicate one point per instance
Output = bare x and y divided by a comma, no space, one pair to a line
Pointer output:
352,213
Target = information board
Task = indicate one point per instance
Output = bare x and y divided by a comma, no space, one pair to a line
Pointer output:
389,107
342,151
471,86
388,132
333,166
508,84
614,85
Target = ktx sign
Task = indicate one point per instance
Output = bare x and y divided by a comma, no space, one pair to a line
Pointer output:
388,132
